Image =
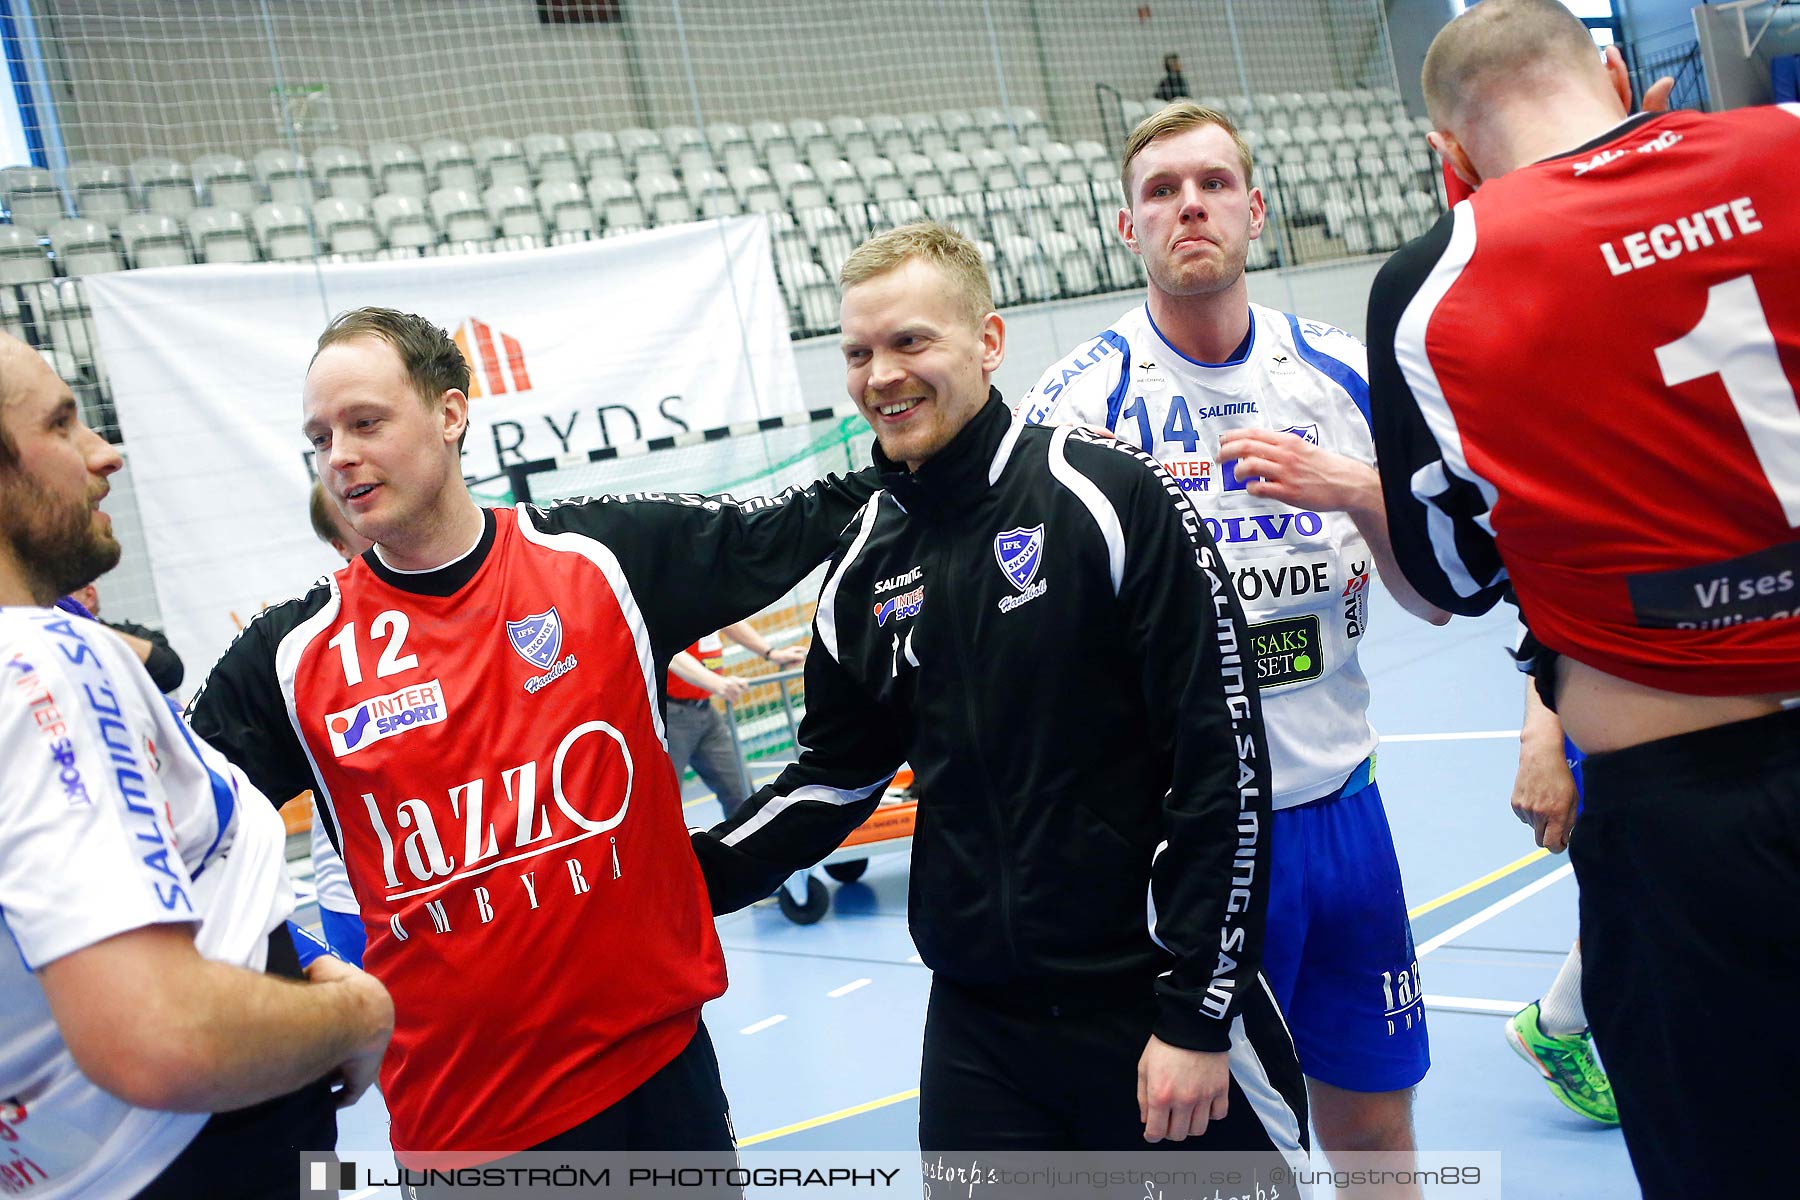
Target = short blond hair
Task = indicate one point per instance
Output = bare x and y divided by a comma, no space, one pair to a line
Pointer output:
1511,44
949,251
1179,117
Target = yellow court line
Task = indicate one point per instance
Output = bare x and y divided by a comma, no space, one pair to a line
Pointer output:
1478,884
913,1093
828,1118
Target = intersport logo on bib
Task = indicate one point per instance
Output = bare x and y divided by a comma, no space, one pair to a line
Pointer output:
364,724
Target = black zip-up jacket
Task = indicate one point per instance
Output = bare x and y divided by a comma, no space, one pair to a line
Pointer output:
1037,621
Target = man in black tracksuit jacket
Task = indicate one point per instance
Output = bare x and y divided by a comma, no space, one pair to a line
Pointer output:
970,624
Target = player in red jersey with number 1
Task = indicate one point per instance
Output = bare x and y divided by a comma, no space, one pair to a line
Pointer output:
1583,385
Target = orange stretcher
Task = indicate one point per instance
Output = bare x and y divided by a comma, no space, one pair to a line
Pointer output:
804,898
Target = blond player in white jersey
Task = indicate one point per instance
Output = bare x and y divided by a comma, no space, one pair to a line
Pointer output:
1262,417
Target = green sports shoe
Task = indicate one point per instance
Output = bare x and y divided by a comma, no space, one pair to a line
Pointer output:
1567,1065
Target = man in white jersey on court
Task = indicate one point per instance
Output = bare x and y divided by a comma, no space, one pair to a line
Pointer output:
142,884
1262,417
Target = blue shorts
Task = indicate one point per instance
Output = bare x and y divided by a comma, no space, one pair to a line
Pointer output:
344,933
1339,948
344,937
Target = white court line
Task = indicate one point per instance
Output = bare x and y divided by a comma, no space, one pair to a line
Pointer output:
763,1024
362,1195
917,959
849,987
1479,735
1495,909
1473,1004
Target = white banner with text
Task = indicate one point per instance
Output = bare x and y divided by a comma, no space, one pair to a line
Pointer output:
570,349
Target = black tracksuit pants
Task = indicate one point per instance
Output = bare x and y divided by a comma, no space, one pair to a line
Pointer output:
1032,1072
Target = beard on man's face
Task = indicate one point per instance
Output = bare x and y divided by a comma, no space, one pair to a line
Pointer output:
56,543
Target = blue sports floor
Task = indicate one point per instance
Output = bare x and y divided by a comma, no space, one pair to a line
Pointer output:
818,1036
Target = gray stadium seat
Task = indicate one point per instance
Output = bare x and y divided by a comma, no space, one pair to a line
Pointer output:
933,142
955,120
831,172
754,187
1031,271
550,157
22,257
884,125
84,247
63,313
798,186
450,165
344,171
946,209
24,275
676,138
911,166
616,203
881,178
282,175
154,240
459,216
731,145
970,141
102,192
224,181
812,138
597,153
921,122
710,193
399,171
1055,154
31,196
643,151
654,185
774,144
284,231
1029,164
163,185
959,174
896,146
220,235
403,221
346,226
853,138
1258,254
566,206
1073,265
989,120
501,161
515,211
902,211
816,297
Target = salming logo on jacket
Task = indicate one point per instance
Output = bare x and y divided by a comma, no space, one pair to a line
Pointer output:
1039,624
486,744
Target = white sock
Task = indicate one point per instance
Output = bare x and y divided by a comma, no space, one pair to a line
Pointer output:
1560,1013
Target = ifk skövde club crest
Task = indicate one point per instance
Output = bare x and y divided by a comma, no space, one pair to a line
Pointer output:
537,638
1020,553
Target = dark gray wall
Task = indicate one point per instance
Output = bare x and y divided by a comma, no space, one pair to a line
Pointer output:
1412,24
